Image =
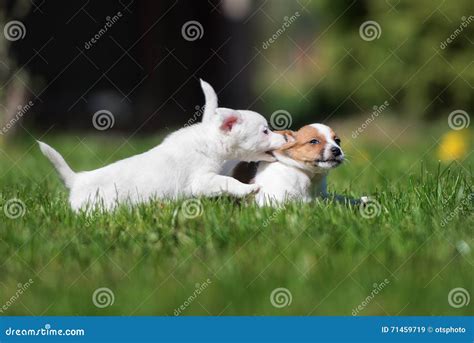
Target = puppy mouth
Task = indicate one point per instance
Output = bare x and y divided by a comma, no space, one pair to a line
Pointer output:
269,156
266,156
332,162
329,160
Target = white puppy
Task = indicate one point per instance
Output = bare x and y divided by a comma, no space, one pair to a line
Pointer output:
301,170
185,164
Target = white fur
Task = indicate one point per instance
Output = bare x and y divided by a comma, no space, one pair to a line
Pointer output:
326,131
211,99
292,180
185,164
280,182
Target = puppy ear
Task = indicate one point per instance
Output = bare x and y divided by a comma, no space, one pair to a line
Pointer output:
229,122
228,119
288,134
290,137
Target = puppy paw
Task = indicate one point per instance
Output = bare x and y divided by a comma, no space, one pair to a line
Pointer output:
254,189
249,190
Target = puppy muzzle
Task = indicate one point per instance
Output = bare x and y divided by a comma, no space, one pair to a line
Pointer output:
329,163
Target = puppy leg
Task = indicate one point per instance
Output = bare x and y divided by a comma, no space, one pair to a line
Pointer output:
343,199
323,193
219,184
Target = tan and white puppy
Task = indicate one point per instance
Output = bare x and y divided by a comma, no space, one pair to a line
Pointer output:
301,168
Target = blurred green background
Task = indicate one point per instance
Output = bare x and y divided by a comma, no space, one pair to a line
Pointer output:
317,60
408,63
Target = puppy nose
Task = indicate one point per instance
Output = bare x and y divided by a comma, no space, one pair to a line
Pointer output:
336,151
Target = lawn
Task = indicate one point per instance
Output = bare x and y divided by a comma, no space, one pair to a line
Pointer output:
222,257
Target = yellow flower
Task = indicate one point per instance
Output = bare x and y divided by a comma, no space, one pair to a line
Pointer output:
454,145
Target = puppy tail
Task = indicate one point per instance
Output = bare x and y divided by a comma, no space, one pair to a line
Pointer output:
65,172
211,101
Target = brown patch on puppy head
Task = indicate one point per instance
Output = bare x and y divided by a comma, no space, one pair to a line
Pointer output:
332,133
313,145
288,134
302,149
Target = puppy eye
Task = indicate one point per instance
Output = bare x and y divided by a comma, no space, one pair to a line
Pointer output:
265,131
338,141
314,141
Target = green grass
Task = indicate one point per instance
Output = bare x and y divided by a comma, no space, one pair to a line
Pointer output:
326,254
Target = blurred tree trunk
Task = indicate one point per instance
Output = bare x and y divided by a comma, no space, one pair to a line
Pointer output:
16,97
13,90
